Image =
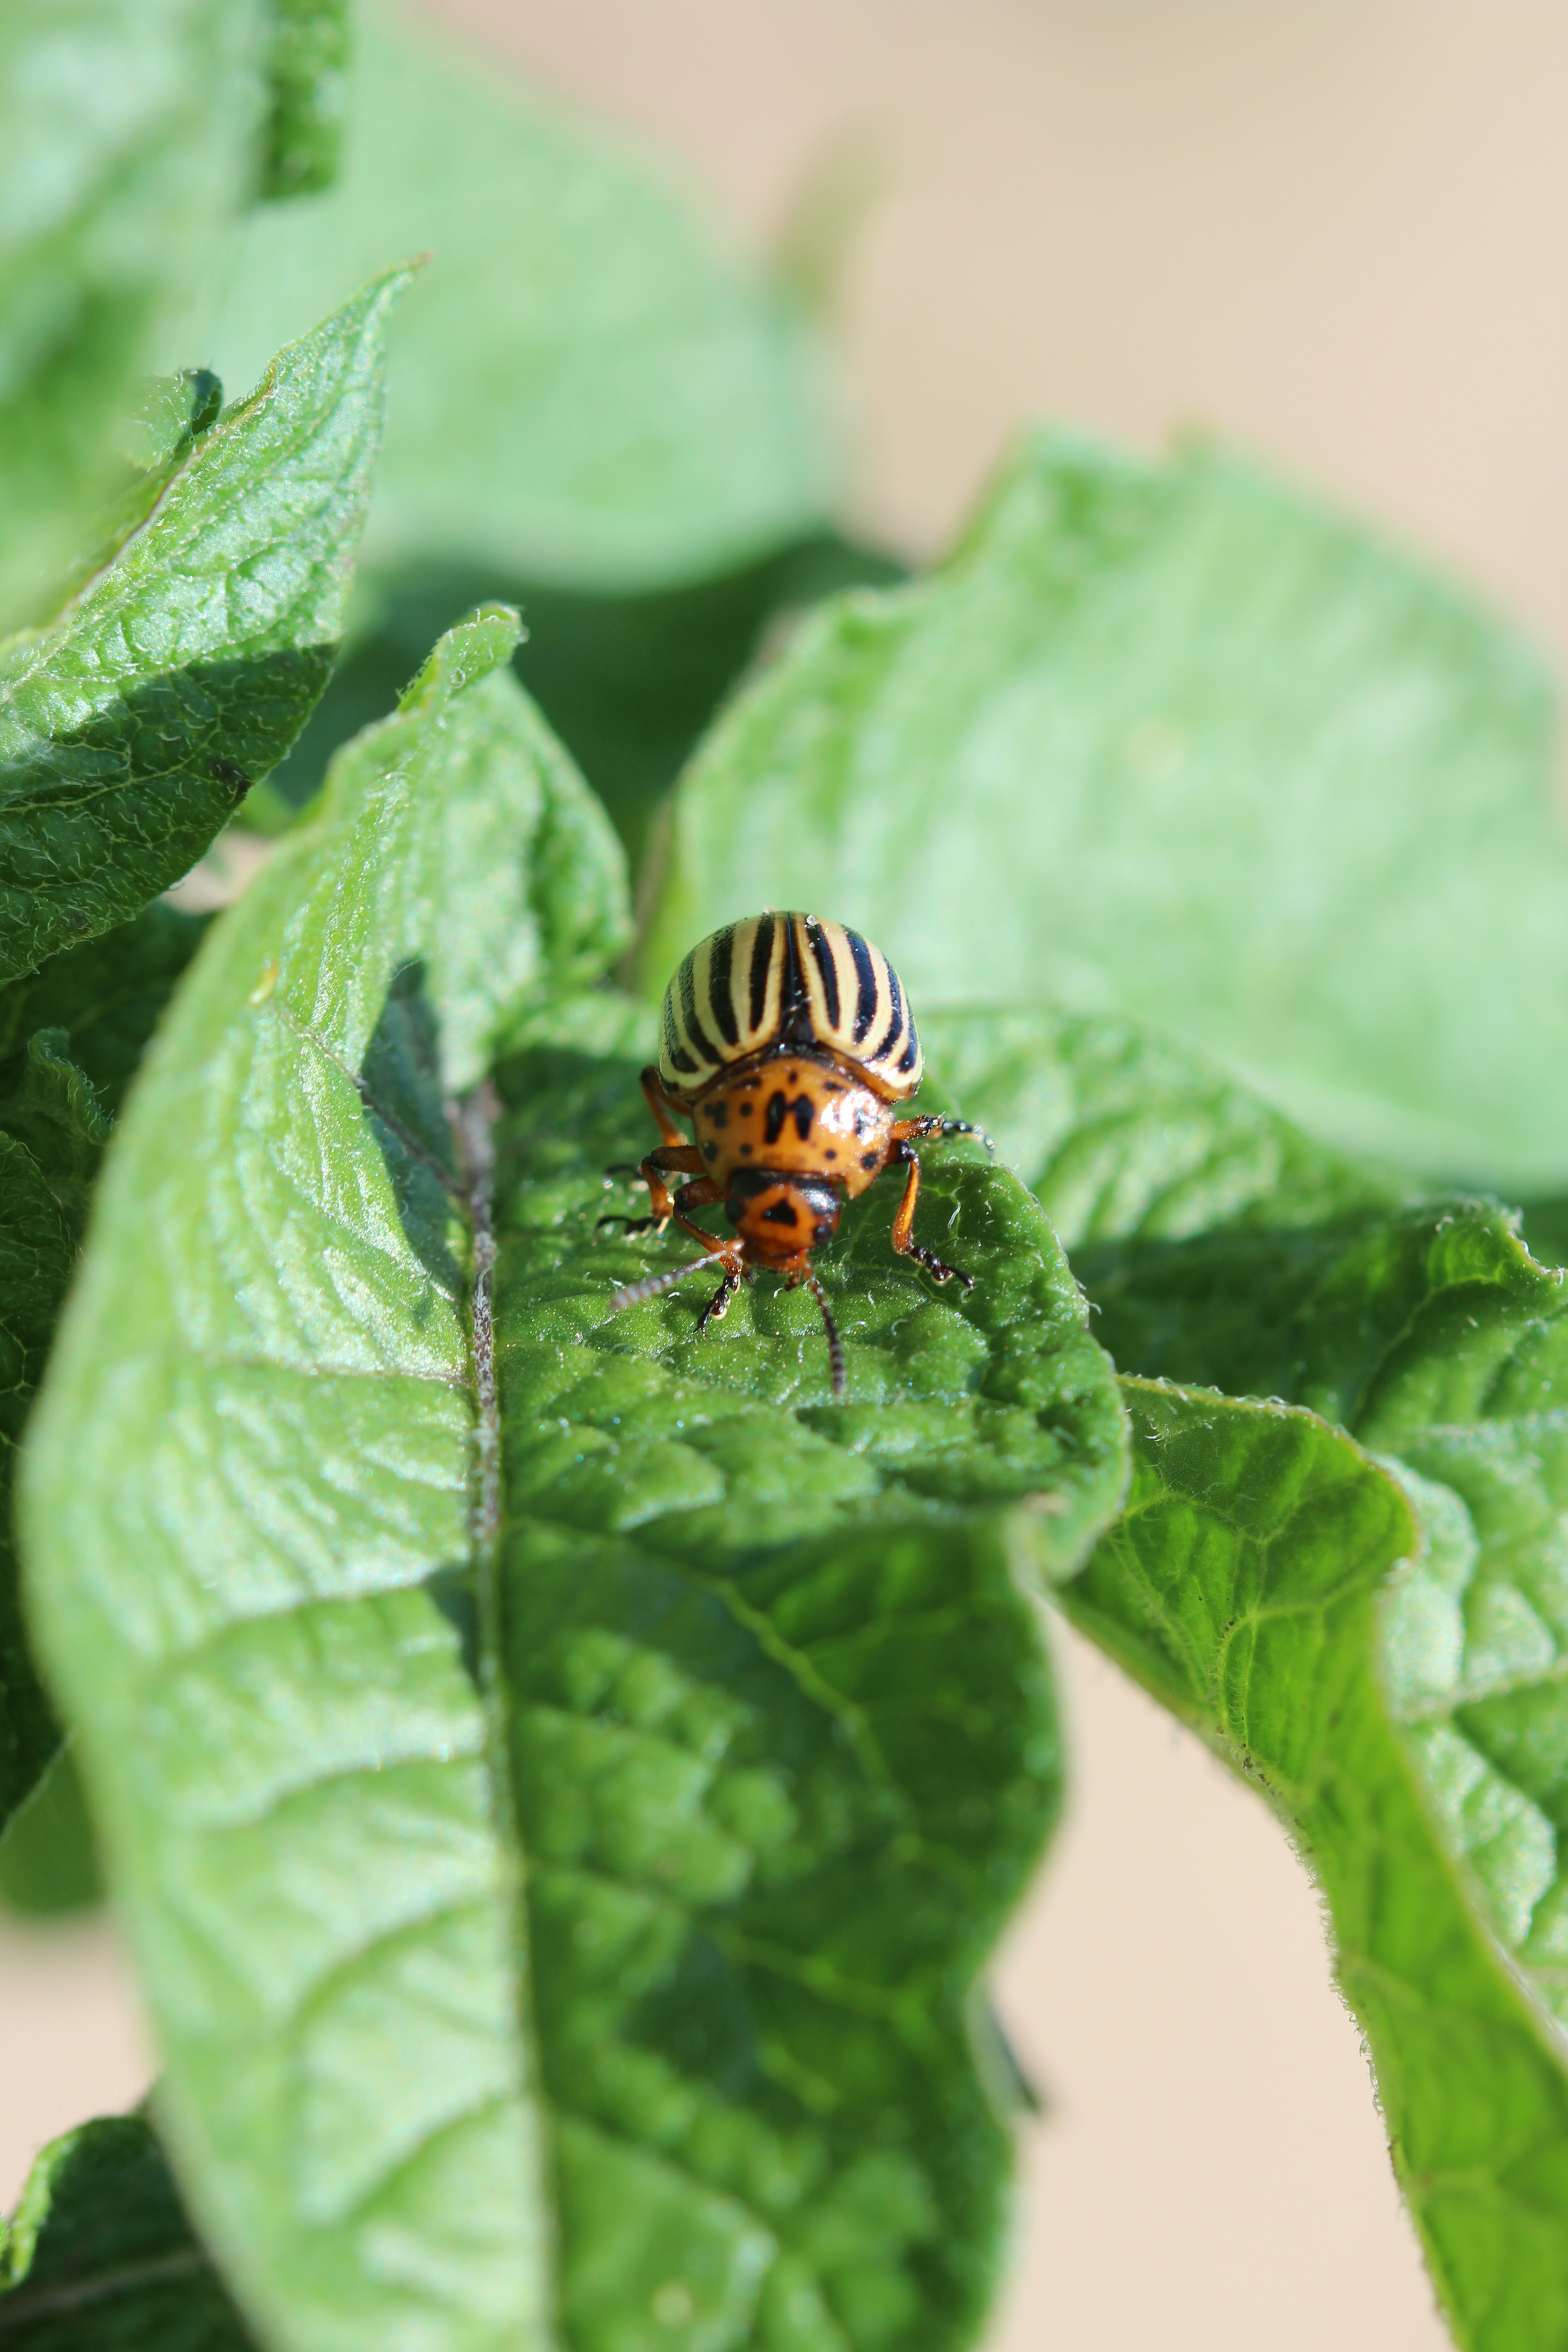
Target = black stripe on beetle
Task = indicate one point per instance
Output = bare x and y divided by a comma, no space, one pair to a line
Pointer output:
677,1057
696,1036
720,999
761,963
881,1053
829,968
868,993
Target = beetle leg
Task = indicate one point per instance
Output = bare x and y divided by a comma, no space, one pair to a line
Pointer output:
718,1307
700,1195
659,1102
932,1127
904,1241
665,1159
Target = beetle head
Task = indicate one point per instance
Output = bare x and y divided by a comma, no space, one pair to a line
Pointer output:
781,1217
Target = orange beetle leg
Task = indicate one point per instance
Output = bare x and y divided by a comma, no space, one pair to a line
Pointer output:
663,1109
665,1159
903,1226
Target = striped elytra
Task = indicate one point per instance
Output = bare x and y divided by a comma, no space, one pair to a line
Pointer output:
779,980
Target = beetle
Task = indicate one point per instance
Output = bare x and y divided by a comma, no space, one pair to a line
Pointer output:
789,1044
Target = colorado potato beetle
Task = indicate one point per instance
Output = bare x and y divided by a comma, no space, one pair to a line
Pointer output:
788,1042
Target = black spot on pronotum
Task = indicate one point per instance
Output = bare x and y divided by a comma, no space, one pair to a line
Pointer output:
717,1114
225,772
779,1111
782,1212
868,1159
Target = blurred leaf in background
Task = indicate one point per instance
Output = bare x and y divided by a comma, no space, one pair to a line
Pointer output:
100,2256
49,1857
628,682
588,389
128,132
1171,740
307,87
599,413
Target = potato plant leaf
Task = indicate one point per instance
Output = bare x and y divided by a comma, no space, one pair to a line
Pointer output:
47,1104
586,388
36,1251
307,86
780,1730
48,1858
1219,1246
128,132
132,726
1166,740
70,1039
100,2253
1243,1586
562,1777
108,996
1126,1137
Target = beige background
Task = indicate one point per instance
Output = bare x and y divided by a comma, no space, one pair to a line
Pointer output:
1338,235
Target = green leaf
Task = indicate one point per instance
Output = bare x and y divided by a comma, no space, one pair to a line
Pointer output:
47,1104
132,725
562,1836
36,1251
100,2253
108,996
307,73
127,146
49,1857
70,1039
586,389
1243,1586
1171,741
1384,1322
1220,1247
1126,1137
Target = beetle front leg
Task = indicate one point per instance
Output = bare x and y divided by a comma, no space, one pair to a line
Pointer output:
904,1241
718,1307
931,1128
666,1160
659,1102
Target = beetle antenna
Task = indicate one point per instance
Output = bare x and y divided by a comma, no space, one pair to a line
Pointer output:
636,1292
834,1344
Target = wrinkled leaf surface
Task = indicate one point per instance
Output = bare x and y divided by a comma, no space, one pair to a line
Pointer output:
560,1897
